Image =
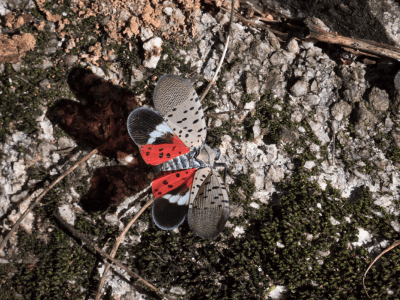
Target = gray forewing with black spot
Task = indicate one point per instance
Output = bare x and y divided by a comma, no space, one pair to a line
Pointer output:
178,103
208,204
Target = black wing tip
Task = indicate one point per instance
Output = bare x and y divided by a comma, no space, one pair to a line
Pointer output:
130,122
168,216
138,122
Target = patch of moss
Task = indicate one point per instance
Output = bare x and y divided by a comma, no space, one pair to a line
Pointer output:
270,117
60,268
214,135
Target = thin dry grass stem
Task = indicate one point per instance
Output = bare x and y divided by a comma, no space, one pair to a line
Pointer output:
118,242
94,246
395,244
224,112
223,55
16,225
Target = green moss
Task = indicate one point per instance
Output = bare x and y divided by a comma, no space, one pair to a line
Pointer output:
270,117
57,272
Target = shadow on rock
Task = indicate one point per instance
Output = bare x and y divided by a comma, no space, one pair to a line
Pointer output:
98,120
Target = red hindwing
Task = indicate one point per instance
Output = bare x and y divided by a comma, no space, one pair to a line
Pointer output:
169,182
157,154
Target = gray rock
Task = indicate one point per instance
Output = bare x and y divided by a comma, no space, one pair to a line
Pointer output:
361,130
16,67
379,99
277,58
353,95
252,85
387,14
46,63
275,174
152,50
307,45
316,22
314,86
388,123
273,40
365,116
299,88
312,99
397,81
261,50
146,34
16,5
70,60
124,15
289,135
136,76
293,46
44,84
50,50
222,18
341,110
51,27
272,81
396,104
396,137
296,116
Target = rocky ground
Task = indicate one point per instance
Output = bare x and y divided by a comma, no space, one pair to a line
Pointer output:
313,153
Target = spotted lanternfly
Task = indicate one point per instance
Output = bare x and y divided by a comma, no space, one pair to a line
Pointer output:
173,139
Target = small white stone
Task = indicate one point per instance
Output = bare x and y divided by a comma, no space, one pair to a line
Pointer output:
396,225
178,291
296,116
112,219
145,33
239,230
334,221
67,214
384,201
254,205
98,71
363,237
152,45
309,165
250,105
278,292
276,174
168,10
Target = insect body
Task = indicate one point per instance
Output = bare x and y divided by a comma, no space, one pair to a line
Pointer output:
173,139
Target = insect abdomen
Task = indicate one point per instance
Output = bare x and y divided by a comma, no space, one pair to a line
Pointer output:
181,162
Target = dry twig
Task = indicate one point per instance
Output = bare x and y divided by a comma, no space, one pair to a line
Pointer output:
223,55
355,46
16,225
358,44
94,246
224,112
118,242
395,244
281,35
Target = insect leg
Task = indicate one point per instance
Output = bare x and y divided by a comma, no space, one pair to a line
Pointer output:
225,171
